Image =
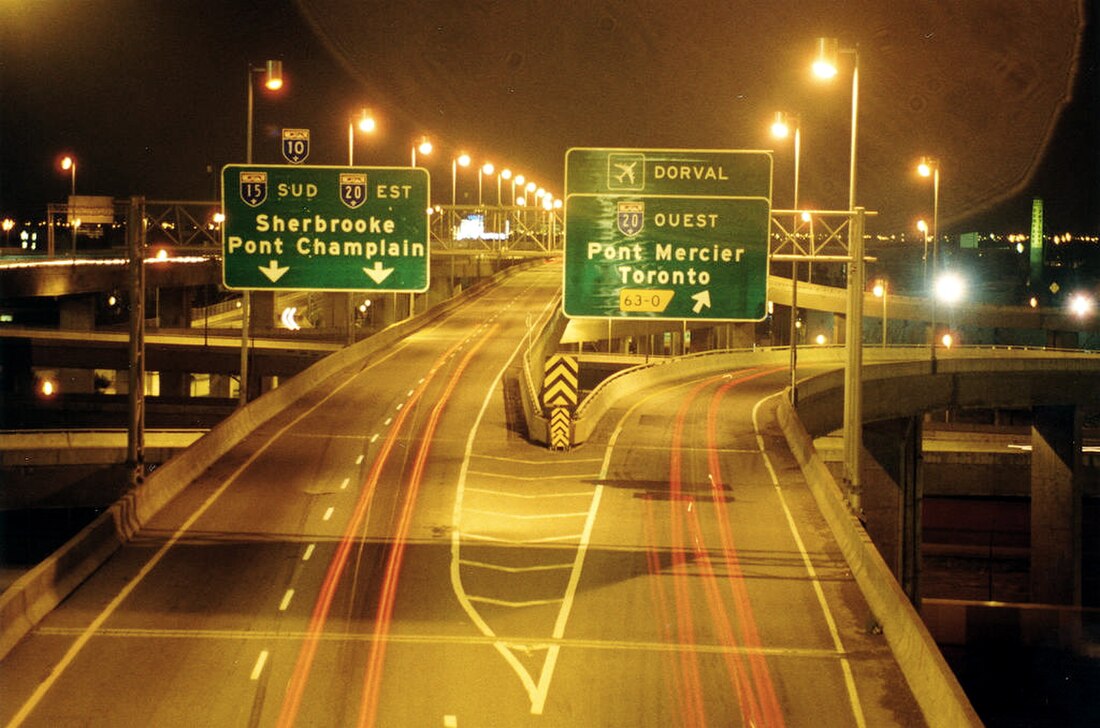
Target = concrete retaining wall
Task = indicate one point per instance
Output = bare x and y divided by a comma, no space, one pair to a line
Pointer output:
934,685
27,601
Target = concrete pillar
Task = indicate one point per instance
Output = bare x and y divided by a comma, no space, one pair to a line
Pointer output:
262,311
893,490
1056,505
220,385
77,314
174,307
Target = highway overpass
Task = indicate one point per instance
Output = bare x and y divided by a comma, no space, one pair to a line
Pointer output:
377,542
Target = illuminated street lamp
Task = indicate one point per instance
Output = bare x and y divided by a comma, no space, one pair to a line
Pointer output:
880,292
781,129
273,81
1080,305
922,226
505,174
462,160
930,167
486,169
366,124
69,165
424,147
950,288
825,67
8,224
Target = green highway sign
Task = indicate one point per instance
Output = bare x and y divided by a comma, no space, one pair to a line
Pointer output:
667,234
325,228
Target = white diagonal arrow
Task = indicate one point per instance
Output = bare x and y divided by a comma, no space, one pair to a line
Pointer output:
273,271
378,273
702,300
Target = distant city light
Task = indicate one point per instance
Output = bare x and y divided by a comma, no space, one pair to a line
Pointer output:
947,340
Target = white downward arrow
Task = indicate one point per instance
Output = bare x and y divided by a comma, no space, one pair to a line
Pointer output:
378,273
702,300
273,271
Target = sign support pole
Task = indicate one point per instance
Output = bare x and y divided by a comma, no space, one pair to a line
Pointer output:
135,434
246,316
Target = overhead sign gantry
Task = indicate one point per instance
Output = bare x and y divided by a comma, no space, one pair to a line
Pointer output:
325,228
667,233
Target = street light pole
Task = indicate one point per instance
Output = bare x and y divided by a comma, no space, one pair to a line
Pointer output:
781,129
425,147
930,166
69,164
273,71
825,67
366,124
880,291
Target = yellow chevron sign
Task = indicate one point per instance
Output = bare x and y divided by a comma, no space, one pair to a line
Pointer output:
560,384
561,429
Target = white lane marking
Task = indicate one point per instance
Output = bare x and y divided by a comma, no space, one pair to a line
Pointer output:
308,552
536,692
388,421
533,478
359,460
286,600
531,496
344,485
258,668
96,624
410,392
823,654
517,541
526,517
511,604
515,569
450,721
527,461
329,512
373,439
838,644
399,405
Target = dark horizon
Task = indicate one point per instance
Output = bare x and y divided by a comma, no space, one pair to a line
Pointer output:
142,98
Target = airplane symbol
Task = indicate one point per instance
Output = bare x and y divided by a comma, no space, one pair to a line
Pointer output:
626,170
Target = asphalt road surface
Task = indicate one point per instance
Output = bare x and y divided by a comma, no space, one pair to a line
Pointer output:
394,552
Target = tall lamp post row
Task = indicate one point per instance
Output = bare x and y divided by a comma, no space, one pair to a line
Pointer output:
825,66
365,123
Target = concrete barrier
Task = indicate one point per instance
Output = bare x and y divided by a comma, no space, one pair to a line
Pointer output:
937,691
35,594
549,331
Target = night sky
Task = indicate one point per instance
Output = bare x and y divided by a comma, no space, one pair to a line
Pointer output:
150,95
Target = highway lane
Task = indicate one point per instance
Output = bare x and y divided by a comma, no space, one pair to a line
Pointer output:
395,553
222,585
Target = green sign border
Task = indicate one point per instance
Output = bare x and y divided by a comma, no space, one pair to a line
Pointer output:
304,208
758,190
